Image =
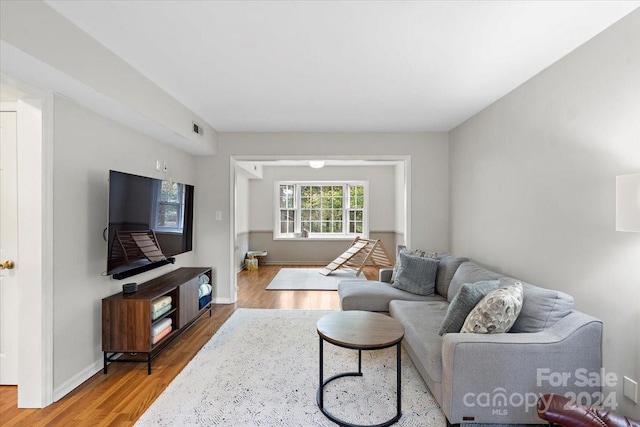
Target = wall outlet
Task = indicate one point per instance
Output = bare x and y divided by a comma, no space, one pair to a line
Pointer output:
165,167
630,389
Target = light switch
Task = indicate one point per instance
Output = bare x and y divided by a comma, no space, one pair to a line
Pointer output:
218,215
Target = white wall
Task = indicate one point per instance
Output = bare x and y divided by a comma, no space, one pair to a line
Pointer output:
243,202
533,186
429,182
86,146
41,47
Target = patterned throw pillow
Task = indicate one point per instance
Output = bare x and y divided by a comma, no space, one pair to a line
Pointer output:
416,275
413,252
496,312
463,302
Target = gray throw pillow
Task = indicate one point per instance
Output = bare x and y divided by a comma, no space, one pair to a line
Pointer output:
496,312
416,275
412,252
463,302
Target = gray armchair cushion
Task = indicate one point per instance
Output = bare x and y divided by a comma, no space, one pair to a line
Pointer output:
465,300
541,308
416,274
446,269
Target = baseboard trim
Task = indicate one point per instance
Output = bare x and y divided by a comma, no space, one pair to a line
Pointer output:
318,263
223,301
73,382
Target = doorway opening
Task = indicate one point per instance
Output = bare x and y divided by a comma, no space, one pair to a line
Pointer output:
397,229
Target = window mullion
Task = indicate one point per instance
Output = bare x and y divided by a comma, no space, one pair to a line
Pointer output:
297,206
345,209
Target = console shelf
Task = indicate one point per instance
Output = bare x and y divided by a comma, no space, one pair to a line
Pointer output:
127,318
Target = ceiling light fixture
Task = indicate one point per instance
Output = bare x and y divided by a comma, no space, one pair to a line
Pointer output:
316,164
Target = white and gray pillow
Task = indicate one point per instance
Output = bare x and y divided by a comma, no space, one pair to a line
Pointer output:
496,312
469,295
416,274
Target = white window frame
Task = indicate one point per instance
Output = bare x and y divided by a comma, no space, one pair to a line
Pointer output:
297,233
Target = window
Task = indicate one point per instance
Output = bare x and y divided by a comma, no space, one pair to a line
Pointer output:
287,209
168,212
321,209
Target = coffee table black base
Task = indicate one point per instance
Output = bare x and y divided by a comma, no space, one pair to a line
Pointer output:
323,383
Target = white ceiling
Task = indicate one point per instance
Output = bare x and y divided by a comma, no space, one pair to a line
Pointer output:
340,65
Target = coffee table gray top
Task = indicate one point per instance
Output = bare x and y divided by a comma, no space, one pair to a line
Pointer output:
360,329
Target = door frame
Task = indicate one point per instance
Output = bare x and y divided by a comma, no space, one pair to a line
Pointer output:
233,171
35,243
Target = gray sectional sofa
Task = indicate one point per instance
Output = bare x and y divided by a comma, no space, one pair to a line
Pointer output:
489,378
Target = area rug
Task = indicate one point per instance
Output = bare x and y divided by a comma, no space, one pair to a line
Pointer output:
261,369
310,279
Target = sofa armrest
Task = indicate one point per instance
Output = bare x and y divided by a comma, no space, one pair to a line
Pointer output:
499,378
384,275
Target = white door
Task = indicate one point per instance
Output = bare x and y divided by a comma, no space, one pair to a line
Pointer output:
8,250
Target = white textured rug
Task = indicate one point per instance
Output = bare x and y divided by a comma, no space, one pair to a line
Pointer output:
261,369
310,279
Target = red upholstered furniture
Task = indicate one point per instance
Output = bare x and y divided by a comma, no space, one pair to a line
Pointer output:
557,409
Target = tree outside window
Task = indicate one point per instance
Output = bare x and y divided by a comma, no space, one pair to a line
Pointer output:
322,209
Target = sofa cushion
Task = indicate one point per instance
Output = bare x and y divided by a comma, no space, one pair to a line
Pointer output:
496,312
461,305
416,274
469,272
412,252
421,321
541,308
446,269
371,295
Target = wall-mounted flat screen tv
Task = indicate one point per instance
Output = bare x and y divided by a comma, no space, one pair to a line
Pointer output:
150,221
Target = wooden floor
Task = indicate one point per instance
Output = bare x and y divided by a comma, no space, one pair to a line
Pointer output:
125,393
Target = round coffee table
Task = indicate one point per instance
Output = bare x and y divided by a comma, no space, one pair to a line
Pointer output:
359,330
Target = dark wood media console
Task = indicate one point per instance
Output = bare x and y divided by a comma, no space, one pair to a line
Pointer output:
127,319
